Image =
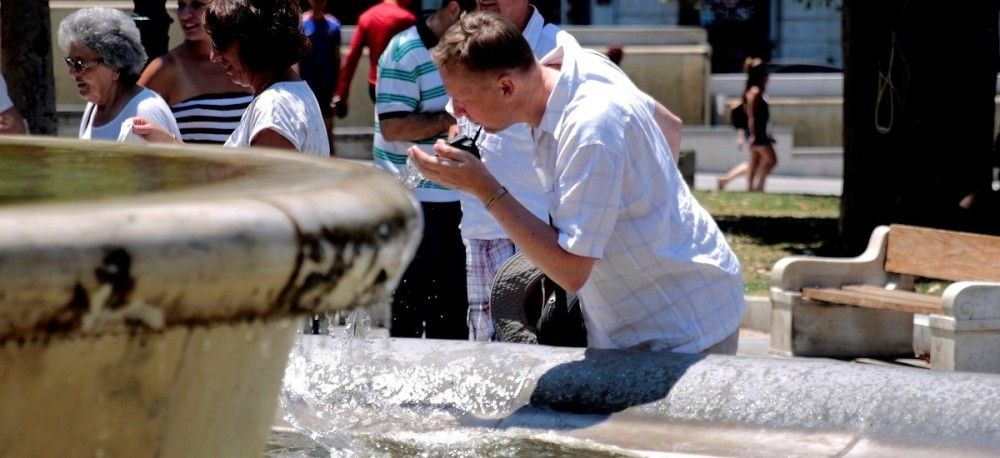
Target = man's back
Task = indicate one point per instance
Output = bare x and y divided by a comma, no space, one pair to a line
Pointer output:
664,278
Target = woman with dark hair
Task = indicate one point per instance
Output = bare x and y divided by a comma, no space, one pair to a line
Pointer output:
105,56
257,42
762,155
206,103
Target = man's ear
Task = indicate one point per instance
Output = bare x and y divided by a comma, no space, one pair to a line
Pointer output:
506,85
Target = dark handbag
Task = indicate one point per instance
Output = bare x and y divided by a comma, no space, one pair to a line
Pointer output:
561,321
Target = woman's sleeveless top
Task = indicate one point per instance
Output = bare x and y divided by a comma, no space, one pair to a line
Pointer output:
210,118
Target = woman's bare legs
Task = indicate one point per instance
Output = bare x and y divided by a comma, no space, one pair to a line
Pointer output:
753,168
763,159
736,171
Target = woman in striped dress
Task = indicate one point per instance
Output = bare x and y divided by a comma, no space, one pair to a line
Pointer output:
204,100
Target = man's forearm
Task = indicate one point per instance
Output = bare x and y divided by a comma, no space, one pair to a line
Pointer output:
540,243
415,126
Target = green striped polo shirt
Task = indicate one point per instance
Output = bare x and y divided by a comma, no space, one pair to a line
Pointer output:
408,82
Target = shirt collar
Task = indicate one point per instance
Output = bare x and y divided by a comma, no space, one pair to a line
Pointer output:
426,35
533,30
560,95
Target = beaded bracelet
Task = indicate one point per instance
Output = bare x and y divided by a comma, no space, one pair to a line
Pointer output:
502,191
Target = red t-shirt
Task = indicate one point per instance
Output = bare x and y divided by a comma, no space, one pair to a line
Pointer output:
376,26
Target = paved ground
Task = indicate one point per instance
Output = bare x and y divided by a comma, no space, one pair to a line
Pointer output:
777,184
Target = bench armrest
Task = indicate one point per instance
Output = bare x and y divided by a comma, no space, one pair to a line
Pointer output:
796,272
972,301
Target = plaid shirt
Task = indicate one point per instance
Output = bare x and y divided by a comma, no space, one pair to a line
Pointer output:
664,276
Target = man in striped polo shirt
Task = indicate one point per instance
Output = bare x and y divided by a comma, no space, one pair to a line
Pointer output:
410,104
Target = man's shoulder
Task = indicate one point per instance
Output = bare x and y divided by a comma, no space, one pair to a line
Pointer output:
406,46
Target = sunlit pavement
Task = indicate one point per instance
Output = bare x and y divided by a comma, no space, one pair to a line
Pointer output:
779,184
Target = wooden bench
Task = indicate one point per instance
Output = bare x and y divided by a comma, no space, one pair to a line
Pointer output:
865,306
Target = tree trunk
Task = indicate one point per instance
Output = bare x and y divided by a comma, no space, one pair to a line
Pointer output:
26,50
918,123
153,21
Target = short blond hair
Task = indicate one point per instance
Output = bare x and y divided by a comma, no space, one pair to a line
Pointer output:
483,42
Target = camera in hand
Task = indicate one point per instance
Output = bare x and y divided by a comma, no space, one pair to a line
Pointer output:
466,144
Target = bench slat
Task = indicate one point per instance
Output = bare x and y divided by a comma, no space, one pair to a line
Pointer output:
870,300
898,295
937,253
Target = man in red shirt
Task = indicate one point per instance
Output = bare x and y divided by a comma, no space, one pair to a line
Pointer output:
376,26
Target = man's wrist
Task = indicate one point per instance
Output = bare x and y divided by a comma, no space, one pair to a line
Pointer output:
500,193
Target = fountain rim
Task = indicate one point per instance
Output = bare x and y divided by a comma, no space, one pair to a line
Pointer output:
275,241
261,166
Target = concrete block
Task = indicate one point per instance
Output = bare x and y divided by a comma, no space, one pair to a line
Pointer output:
802,327
921,336
731,85
966,351
966,337
757,314
354,142
717,153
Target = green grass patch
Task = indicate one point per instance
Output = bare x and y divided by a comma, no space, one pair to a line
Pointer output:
763,228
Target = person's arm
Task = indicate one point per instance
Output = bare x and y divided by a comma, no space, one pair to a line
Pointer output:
347,71
268,138
11,122
152,132
156,111
750,107
540,242
415,126
160,77
741,139
398,95
335,62
670,125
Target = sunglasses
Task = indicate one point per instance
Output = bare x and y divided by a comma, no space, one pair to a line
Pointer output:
78,65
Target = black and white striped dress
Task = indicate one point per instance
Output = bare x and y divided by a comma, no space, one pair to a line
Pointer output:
210,118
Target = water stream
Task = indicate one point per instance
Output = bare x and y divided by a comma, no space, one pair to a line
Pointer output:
331,408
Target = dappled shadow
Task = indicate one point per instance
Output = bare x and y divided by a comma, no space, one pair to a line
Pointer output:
586,392
819,236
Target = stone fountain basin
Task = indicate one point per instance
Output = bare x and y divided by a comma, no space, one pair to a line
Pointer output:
358,397
149,295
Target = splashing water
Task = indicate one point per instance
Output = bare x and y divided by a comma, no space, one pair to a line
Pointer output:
357,325
410,175
336,407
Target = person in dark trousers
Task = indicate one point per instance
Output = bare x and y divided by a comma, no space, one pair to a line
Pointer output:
321,66
431,299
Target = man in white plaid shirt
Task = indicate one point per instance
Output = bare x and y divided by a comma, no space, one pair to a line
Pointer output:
650,266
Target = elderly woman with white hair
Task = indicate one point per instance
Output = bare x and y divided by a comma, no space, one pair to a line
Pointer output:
105,57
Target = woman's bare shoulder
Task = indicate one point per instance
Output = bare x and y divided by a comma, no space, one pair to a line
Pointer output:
161,74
